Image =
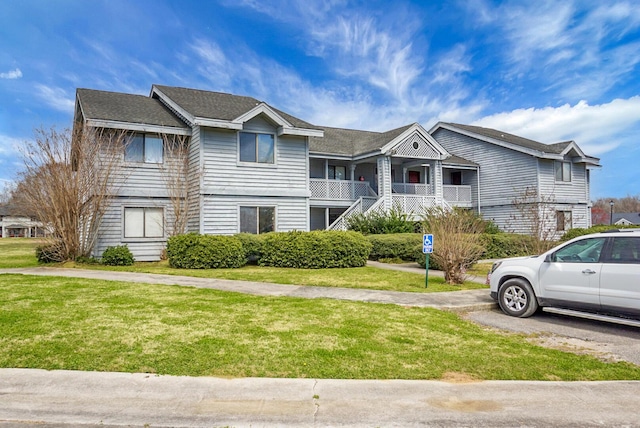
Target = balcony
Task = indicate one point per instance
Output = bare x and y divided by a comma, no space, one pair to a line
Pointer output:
457,196
341,190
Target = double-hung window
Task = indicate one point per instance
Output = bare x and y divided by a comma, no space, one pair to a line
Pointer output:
144,148
258,148
257,219
143,222
563,171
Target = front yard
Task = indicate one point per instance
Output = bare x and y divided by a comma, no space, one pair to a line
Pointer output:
81,324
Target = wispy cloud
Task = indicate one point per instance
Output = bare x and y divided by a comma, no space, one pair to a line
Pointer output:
13,74
596,128
57,98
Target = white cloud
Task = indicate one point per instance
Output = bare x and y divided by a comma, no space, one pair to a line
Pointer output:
56,98
597,129
13,74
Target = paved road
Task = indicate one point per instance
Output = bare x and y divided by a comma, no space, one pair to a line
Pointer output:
64,398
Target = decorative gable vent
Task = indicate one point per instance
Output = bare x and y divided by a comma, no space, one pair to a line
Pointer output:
415,146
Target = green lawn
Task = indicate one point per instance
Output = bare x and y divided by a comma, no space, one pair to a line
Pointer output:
18,252
79,324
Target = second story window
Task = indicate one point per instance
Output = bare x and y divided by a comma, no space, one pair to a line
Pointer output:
563,171
257,148
144,148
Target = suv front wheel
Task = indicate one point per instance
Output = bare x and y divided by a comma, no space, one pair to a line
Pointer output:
516,298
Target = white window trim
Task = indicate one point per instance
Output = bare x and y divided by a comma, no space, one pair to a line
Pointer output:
143,163
256,206
258,164
143,238
563,181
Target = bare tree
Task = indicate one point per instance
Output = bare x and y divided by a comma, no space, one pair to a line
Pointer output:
175,174
67,183
457,244
536,216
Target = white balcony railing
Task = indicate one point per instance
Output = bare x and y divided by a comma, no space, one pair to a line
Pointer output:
339,189
413,189
457,195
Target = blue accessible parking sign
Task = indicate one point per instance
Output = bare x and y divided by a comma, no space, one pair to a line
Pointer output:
427,243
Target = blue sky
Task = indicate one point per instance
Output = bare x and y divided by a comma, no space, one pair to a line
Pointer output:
546,70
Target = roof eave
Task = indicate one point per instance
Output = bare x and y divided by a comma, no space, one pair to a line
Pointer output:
140,127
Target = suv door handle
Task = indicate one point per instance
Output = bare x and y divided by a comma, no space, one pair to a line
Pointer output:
589,271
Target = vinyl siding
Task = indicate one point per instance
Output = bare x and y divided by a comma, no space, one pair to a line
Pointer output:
194,178
504,173
222,213
112,229
225,175
573,192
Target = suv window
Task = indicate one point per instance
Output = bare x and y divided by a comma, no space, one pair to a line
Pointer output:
583,251
625,250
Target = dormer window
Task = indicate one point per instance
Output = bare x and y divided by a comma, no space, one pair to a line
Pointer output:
144,148
563,171
256,147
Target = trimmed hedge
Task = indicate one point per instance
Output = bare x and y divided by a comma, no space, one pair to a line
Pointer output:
193,251
503,245
120,255
315,250
579,231
252,245
405,246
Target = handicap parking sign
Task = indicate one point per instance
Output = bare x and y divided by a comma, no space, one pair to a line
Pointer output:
427,243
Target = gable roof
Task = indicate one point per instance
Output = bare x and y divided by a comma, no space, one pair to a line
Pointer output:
352,142
634,218
102,108
226,110
515,142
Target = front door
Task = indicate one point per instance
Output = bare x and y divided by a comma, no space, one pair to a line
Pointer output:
414,177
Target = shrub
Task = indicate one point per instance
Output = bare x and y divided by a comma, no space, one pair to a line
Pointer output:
193,251
47,254
579,231
457,240
315,250
406,246
252,246
120,255
393,221
503,245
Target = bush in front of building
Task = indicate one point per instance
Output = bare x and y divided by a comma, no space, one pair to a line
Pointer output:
502,245
405,246
376,222
120,255
579,231
252,245
194,251
315,250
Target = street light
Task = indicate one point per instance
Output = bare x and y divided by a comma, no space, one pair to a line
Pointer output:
611,213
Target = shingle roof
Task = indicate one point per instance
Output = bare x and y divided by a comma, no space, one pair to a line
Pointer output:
220,105
513,139
352,142
115,106
632,217
457,160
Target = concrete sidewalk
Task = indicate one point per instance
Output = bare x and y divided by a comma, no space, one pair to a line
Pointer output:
67,398
457,301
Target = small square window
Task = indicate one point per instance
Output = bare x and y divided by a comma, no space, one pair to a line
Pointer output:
144,148
144,222
257,219
563,220
259,148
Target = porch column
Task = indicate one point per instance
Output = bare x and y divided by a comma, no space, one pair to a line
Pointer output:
438,183
352,167
385,181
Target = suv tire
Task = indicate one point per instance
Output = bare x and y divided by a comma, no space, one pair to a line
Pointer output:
516,298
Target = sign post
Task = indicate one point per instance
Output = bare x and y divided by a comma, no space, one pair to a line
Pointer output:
427,248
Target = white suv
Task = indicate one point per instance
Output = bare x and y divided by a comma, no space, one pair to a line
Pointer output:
597,273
